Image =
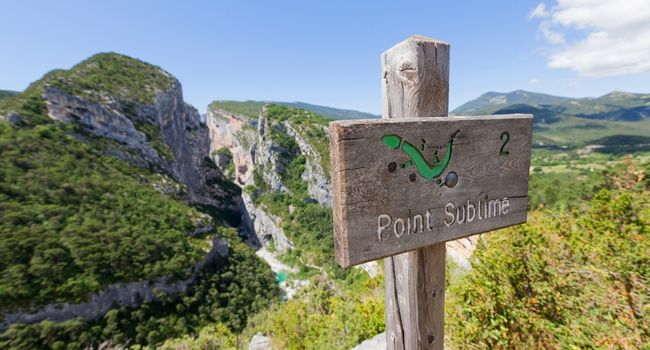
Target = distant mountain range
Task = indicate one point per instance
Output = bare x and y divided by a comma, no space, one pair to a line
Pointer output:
253,109
617,105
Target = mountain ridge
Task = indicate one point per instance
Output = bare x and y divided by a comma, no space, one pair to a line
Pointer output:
613,106
252,108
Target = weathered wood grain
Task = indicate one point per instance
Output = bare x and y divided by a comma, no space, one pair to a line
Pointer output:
415,298
371,189
369,186
415,76
416,83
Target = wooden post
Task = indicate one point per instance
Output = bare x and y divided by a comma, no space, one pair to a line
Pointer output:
415,84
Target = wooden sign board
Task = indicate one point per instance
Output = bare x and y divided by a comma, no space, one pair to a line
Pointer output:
402,184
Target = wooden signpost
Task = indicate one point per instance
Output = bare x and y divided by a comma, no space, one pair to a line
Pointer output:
404,185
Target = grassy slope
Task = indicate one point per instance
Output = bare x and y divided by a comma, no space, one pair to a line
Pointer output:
579,131
567,121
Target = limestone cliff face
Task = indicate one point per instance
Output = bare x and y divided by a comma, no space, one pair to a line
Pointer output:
102,120
266,226
269,155
177,143
318,182
248,141
251,148
238,134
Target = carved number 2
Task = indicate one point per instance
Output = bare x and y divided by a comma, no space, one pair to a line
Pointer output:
505,135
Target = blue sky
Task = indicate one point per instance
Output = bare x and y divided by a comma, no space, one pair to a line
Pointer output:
325,52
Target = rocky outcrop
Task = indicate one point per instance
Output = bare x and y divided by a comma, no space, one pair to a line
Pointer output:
236,133
103,120
260,342
252,150
266,227
129,294
318,183
462,249
378,342
167,136
268,155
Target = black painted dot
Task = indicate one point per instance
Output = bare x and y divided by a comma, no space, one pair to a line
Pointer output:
392,166
412,177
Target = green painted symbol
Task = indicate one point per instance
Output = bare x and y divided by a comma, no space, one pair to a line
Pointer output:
426,170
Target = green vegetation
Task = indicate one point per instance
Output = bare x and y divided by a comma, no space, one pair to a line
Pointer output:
307,224
311,127
569,179
320,318
229,169
213,337
569,280
75,221
576,131
572,122
102,78
611,106
115,75
225,294
253,109
5,94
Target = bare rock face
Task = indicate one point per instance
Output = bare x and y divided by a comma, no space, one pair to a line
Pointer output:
12,118
238,134
378,342
247,140
260,342
102,120
266,226
318,183
268,155
462,249
177,142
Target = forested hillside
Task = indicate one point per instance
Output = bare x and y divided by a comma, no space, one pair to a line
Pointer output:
115,196
115,222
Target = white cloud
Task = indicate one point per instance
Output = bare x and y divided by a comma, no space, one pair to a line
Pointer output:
539,11
615,35
550,35
533,81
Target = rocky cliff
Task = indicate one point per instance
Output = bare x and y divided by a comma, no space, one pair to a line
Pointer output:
253,152
177,143
132,111
256,150
318,181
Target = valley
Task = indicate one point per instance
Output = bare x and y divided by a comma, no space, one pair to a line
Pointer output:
130,220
